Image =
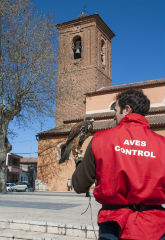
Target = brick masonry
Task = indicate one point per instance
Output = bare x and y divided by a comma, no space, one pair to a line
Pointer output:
49,170
75,78
79,76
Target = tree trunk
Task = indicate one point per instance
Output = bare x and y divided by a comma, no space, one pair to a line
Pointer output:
3,179
5,147
3,154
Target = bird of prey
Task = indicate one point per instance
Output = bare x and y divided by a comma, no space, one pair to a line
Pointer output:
78,133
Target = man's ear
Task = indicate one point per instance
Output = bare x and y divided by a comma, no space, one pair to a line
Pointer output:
128,109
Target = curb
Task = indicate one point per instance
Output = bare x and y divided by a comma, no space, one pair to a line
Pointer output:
86,232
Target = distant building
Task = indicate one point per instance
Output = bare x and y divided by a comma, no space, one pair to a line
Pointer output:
13,169
29,168
84,89
20,169
26,162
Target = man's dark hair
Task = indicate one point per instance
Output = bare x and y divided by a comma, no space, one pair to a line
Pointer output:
136,99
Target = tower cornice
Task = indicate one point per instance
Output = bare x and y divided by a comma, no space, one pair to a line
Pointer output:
91,18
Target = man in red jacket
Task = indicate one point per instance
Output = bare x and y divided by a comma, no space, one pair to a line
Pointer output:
127,163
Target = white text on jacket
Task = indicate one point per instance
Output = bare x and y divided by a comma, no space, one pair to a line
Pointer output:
135,152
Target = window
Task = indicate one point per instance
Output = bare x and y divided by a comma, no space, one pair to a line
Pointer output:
58,157
102,52
113,105
76,47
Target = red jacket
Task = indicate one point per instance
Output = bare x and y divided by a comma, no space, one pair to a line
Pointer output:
130,169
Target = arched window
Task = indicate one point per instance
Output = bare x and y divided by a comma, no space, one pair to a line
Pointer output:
76,47
58,156
102,52
113,105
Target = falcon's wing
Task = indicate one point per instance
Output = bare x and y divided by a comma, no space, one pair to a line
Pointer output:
66,147
75,130
78,133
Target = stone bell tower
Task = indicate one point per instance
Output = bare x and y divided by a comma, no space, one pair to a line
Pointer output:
84,63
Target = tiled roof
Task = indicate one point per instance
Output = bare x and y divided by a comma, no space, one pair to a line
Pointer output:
157,120
118,88
154,120
15,156
103,125
110,115
62,130
155,110
28,160
96,116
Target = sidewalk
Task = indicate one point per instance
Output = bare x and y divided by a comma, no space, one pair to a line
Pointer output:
49,213
47,216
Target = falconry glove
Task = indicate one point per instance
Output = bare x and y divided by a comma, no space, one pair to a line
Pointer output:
78,156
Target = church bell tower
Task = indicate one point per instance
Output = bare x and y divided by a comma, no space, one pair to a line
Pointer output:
84,63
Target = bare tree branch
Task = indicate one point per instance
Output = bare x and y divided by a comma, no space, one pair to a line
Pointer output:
28,66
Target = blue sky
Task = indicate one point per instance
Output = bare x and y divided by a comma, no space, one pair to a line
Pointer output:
138,50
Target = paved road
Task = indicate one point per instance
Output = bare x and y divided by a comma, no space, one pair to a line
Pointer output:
42,214
58,207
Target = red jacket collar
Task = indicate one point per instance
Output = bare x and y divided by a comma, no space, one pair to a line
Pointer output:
136,118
